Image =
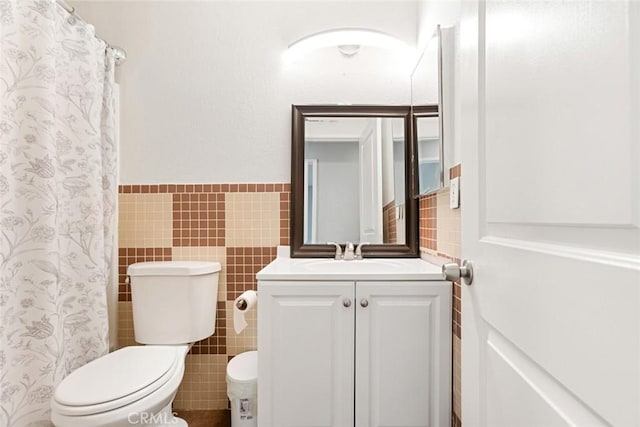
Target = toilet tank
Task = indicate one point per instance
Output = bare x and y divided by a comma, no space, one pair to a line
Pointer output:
174,302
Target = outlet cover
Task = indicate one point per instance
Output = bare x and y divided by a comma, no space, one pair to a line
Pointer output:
454,193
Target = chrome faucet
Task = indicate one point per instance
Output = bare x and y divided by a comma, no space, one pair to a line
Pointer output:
358,254
338,254
348,252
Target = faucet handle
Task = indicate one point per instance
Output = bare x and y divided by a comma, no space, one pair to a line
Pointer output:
338,250
359,249
348,252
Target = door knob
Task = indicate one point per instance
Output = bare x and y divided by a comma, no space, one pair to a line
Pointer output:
364,303
453,272
346,302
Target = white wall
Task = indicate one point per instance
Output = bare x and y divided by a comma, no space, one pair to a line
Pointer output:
424,79
432,13
206,96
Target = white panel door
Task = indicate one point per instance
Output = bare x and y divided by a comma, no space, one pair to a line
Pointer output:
305,368
403,354
550,139
370,167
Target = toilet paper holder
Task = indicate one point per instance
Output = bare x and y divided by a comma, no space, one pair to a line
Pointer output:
241,303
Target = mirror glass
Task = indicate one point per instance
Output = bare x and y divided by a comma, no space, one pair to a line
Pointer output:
428,140
353,177
354,180
426,99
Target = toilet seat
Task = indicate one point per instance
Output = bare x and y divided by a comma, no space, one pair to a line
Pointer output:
124,376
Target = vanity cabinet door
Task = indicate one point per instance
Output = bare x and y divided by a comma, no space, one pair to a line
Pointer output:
305,340
403,354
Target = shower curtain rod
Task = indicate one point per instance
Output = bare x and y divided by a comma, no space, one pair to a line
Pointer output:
120,55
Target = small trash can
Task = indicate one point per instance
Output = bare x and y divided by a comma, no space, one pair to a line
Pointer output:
242,389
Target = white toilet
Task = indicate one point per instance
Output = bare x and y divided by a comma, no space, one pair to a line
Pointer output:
174,305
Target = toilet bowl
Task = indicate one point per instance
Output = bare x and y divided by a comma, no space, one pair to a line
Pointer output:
136,385
130,386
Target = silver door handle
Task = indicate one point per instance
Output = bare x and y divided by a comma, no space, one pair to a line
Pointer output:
364,303
346,302
453,272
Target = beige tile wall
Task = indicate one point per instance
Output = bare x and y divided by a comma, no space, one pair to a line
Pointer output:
252,220
448,227
204,384
125,324
237,225
440,235
428,216
145,220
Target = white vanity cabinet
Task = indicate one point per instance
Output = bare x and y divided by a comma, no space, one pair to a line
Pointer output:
362,353
403,354
305,354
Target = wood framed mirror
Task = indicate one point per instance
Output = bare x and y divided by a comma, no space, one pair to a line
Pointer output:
353,178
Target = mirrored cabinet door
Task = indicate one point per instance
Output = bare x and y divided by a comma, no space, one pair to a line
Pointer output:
428,141
427,101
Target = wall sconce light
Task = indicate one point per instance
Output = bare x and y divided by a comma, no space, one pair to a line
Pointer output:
348,41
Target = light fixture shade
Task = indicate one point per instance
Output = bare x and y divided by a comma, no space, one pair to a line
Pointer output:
346,36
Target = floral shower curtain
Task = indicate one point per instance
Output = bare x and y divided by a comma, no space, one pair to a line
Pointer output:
57,202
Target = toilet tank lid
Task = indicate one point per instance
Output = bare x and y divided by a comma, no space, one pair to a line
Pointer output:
173,268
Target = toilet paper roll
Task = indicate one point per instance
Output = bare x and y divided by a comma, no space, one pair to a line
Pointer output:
246,301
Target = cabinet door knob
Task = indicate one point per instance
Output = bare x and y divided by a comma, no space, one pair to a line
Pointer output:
364,303
346,302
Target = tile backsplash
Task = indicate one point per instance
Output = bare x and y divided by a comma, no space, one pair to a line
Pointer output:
428,222
237,225
440,235
240,226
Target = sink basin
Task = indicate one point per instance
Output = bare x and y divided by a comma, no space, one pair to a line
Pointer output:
371,266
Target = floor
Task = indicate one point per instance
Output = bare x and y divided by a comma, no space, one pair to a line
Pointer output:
220,418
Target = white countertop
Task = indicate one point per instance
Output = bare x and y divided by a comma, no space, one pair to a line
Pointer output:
380,269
